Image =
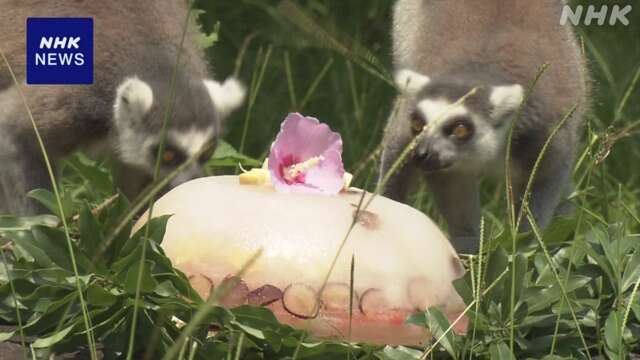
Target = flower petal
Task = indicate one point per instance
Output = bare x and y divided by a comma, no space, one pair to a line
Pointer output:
328,176
306,137
307,142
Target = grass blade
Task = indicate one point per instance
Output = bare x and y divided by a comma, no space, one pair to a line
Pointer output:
510,197
352,50
290,83
627,95
478,282
315,83
351,293
54,185
156,173
255,88
602,62
239,346
538,236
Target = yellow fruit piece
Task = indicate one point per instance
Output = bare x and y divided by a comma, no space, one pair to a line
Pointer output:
254,177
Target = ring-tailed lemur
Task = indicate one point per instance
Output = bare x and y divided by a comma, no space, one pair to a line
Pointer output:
442,50
121,114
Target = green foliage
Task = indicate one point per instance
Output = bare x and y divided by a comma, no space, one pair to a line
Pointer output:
226,156
41,273
599,271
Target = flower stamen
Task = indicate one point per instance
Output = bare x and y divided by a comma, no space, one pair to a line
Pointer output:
296,172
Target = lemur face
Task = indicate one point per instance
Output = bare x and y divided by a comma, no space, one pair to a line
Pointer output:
451,135
196,121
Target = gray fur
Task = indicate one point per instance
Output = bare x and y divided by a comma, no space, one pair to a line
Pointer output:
132,39
464,44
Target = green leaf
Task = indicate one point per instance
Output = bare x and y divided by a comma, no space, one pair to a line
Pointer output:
157,227
52,314
257,317
539,298
54,248
601,261
121,266
463,287
98,296
147,284
27,248
257,333
4,336
518,270
438,323
226,155
208,40
98,177
612,334
113,215
91,235
500,351
166,289
631,272
635,307
54,243
48,199
496,265
560,230
52,339
11,223
43,296
613,244
400,353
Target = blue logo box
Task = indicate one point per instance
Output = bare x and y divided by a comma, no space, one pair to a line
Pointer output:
59,51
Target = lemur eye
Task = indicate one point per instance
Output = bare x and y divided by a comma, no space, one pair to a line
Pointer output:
169,156
462,130
417,123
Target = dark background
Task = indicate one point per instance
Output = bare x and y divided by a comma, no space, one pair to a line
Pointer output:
356,102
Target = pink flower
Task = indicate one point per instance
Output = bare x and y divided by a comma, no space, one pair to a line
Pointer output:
306,157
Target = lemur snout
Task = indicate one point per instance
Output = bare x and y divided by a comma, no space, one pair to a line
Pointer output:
429,159
423,153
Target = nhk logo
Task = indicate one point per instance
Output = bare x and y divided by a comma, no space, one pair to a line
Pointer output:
59,51
58,58
615,14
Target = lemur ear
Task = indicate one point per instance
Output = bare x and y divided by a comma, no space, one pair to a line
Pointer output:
410,82
227,96
134,98
505,99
